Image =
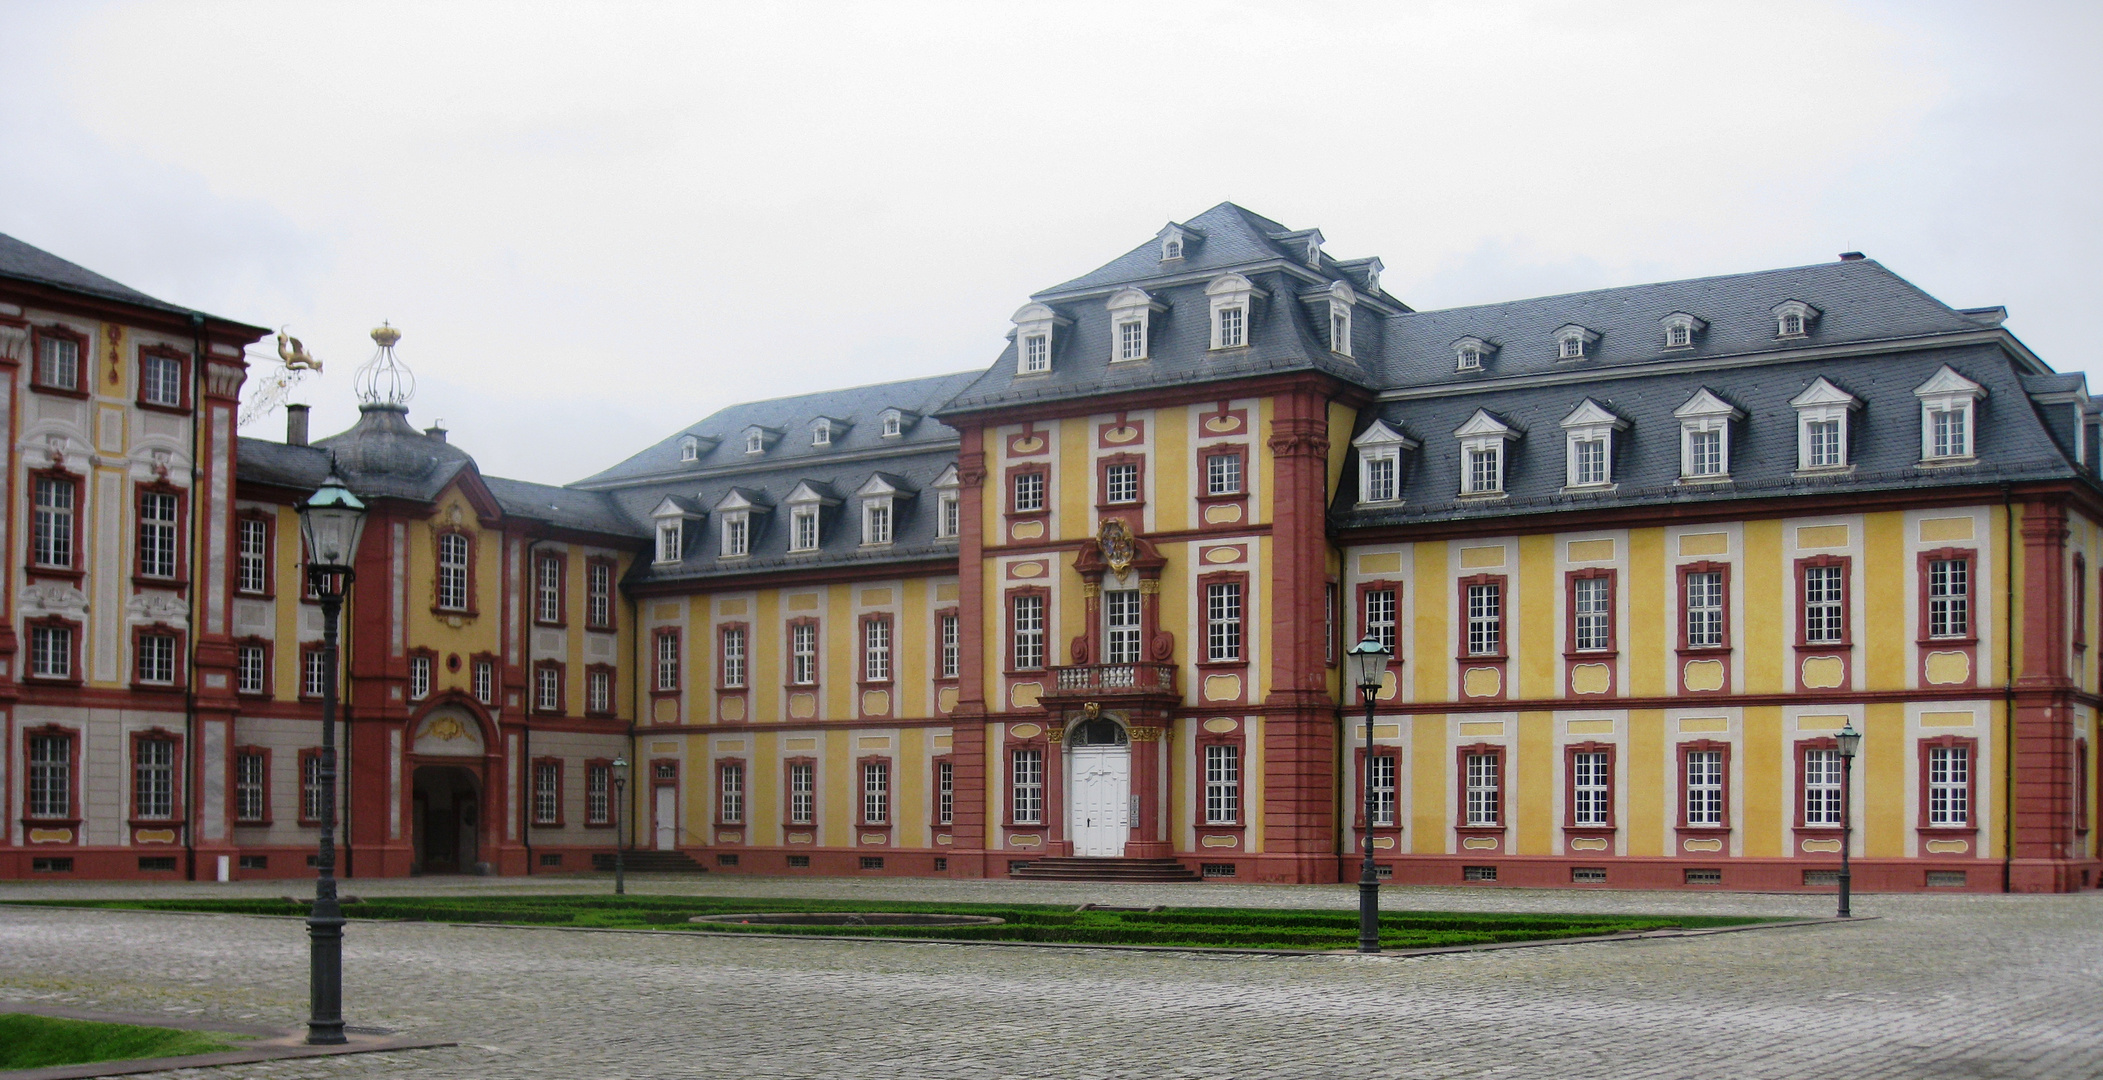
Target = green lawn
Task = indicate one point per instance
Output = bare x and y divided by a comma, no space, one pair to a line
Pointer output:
1267,928
32,1042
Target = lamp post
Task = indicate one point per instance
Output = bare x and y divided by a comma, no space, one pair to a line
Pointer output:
330,522
1850,741
1369,666
620,787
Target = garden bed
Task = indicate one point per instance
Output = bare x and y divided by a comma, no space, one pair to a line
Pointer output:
1236,928
36,1042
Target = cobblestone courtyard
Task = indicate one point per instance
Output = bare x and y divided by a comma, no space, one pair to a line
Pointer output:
1934,986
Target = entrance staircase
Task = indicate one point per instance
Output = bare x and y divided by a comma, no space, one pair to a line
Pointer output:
1075,868
649,862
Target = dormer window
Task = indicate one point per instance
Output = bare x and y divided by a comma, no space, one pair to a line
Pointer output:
895,421
1380,449
1574,342
876,521
803,528
1034,326
1681,329
1793,318
1589,433
1231,298
891,426
949,518
1172,248
1705,437
1822,412
759,437
1946,414
737,534
821,432
1307,243
1471,353
669,541
1176,241
1342,301
690,449
1130,311
1482,443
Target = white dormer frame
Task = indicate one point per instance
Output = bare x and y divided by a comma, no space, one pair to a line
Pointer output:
1948,428
1343,299
1702,415
1380,450
821,431
1681,329
1484,434
1130,313
1368,268
734,516
1232,301
879,498
759,437
1177,240
895,422
689,448
1036,330
1590,424
1307,241
805,524
1794,318
669,519
949,519
1574,342
1471,353
1823,403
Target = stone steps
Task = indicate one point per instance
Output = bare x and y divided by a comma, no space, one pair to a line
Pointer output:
1077,868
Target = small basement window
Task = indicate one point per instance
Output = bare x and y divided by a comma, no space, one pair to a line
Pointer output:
255,862
1478,873
1217,869
47,864
1946,879
872,862
1588,875
1702,877
726,860
799,862
156,862
941,864
551,859
1821,877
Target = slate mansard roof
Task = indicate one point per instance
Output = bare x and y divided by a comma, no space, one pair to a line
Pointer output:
24,262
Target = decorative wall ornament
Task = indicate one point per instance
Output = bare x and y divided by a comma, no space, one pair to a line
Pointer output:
55,596
158,607
1115,540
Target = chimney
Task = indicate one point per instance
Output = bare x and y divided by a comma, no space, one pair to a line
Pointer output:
295,425
1851,256
435,433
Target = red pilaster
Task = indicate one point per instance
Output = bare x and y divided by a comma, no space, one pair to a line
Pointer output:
968,732
1149,840
2042,732
1299,789
211,747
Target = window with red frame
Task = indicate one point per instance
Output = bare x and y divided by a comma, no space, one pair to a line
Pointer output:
160,531
51,650
1026,630
1029,491
251,785
598,793
1222,784
2080,604
1823,590
730,790
311,802
61,360
1946,783
1704,606
1380,612
1949,595
1591,612
876,792
252,572
547,589
1591,784
1223,621
49,793
313,671
1705,785
1381,772
547,791
876,650
56,520
1482,615
455,555
163,378
154,658
1482,787
667,679
547,686
598,690
598,594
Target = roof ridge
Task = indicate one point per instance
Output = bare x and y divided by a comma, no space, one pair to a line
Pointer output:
1669,282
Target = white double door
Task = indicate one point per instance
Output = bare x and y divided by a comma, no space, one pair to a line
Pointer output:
1099,800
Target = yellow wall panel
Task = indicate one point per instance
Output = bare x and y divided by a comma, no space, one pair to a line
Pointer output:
1536,585
1536,783
913,797
1648,817
763,794
1766,619
1073,478
1172,469
1768,775
1647,575
1884,574
1430,764
1433,605
840,640
1885,759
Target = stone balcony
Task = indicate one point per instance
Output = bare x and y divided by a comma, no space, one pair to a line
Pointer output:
1107,683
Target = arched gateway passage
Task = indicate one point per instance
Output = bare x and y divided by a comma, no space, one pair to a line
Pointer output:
447,819
1099,788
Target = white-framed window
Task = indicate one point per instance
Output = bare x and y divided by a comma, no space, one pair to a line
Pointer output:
547,589
733,657
1380,779
158,529
485,681
1471,353
1027,620
55,505
58,362
803,654
876,792
1704,787
254,570
50,776
547,792
1949,598
1223,622
598,690
547,688
1036,353
312,804
821,432
153,778
1029,492
945,793
250,799
1485,619
1949,785
1130,313
667,661
893,421
1705,436
755,441
1591,788
1678,337
1339,329
1485,794
1121,626
1574,342
51,652
1822,787
156,659
1230,298
803,528
453,552
1947,403
598,593
1380,617
1589,438
876,650
737,534
803,793
1380,450
876,521
1223,474
1681,329
1793,318
1035,325
251,669
1027,788
730,784
313,673
1825,605
598,794
1704,610
949,518
1592,614
1222,784
419,677
689,449
947,630
1822,412
670,540
1121,482
1485,469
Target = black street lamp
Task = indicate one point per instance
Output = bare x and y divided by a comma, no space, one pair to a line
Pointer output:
1850,741
330,523
620,786
1369,666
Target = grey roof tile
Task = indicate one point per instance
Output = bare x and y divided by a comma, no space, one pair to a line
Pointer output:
25,262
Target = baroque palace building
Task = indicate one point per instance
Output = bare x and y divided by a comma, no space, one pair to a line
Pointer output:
1640,553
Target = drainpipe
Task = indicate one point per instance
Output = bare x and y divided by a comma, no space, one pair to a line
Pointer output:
2008,690
198,583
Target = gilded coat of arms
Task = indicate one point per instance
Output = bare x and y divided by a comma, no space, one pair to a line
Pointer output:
1115,540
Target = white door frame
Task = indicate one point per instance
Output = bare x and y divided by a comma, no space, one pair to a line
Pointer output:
664,817
1098,799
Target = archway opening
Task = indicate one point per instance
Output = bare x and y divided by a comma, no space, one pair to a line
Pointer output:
447,818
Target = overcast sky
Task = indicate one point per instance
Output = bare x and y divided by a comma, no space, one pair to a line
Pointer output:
597,223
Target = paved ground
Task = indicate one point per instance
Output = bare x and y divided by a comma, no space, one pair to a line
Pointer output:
1936,986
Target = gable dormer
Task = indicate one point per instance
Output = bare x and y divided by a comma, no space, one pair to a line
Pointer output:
1305,244
734,513
1589,432
669,519
827,430
1036,330
1705,436
895,422
1232,299
695,447
949,520
1131,312
1472,353
879,497
1380,460
1574,342
1482,452
1366,271
759,438
1948,416
1794,319
1178,242
1823,412
1342,301
806,505
1682,329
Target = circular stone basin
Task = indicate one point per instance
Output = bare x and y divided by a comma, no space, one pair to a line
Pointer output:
850,918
